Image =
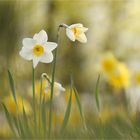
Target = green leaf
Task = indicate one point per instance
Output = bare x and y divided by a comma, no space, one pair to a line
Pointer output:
80,107
97,93
12,86
26,125
15,121
67,114
21,127
78,101
9,119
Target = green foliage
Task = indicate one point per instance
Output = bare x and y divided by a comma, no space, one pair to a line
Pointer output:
12,86
9,119
97,93
80,107
67,113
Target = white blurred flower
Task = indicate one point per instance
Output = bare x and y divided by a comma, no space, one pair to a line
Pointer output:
76,32
57,88
133,97
38,49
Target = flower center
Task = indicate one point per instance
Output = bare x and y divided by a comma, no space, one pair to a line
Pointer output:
38,50
74,30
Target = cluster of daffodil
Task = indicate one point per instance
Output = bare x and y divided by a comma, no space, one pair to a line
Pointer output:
119,76
18,111
116,72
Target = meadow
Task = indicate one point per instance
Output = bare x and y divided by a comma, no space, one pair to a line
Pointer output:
70,69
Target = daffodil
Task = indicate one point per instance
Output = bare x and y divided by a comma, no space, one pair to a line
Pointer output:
120,78
109,63
46,89
76,32
38,49
57,88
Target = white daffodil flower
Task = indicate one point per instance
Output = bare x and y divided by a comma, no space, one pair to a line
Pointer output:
76,32
57,88
38,48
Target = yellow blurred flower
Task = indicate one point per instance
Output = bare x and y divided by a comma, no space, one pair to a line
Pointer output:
120,77
108,63
136,77
117,73
12,107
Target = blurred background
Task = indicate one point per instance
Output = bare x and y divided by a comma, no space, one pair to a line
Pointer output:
112,49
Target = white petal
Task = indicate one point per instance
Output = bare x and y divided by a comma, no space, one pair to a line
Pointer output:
26,54
35,61
41,37
82,38
70,34
59,87
28,42
46,58
76,25
46,89
84,29
49,46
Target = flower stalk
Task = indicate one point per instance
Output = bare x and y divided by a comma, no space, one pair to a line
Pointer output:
53,79
33,86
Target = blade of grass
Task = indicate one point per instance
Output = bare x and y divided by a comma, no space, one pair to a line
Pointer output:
12,86
9,119
68,109
98,106
16,125
21,128
26,125
78,101
67,114
97,93
79,107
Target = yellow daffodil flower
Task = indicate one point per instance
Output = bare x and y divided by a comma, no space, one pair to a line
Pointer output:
108,63
120,77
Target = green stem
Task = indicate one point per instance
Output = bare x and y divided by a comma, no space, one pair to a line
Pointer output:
33,82
40,100
52,85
